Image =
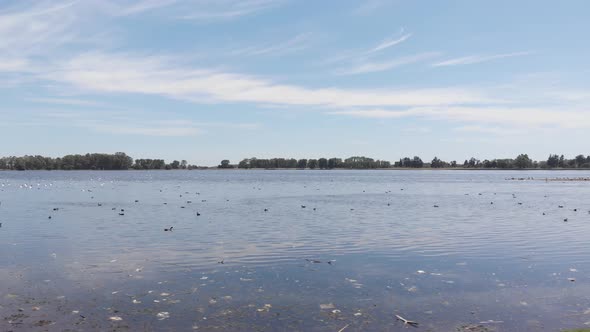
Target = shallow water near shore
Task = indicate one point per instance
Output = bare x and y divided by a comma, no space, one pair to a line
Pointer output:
333,250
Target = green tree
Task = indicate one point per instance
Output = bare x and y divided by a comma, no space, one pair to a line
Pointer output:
523,161
335,163
580,160
553,161
561,162
224,164
312,163
245,163
437,163
302,163
417,162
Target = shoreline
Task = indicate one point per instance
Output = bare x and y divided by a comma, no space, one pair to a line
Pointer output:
306,169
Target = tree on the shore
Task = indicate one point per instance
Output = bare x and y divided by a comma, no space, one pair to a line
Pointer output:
553,161
437,163
580,160
302,163
121,161
224,164
523,161
312,163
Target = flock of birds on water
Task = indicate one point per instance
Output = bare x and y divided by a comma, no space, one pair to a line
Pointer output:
170,229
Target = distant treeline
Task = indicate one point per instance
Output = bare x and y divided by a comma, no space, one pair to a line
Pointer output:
322,163
522,161
121,161
89,161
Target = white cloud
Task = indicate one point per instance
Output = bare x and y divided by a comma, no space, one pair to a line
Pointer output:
106,121
145,130
472,59
208,10
297,43
370,6
523,117
500,131
389,43
36,29
13,65
165,128
370,67
120,73
64,101
136,7
364,55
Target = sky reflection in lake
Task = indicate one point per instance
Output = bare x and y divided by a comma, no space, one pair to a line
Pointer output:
444,248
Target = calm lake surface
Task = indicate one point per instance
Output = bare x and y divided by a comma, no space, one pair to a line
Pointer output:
368,245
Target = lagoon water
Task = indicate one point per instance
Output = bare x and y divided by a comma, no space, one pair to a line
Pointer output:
368,245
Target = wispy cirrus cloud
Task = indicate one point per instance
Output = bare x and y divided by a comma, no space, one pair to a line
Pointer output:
106,121
36,29
64,101
155,130
363,62
370,6
207,10
158,75
389,43
137,7
473,59
494,130
13,64
513,116
363,55
377,66
297,43
160,128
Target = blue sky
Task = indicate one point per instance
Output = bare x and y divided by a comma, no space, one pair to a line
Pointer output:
205,80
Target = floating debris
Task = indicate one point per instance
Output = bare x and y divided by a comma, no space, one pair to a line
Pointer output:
327,306
344,328
163,315
266,308
406,321
115,318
